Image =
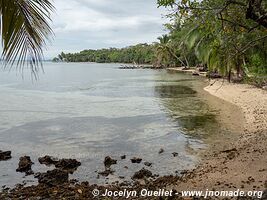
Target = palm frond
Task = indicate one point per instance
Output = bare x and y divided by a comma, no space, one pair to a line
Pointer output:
25,29
192,37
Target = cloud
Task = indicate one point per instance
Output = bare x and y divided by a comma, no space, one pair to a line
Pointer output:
91,24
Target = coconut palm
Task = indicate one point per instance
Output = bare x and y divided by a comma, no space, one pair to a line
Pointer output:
24,31
164,51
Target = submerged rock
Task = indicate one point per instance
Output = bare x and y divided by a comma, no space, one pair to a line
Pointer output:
47,160
136,160
175,154
69,165
106,173
25,165
54,177
148,164
161,151
5,155
143,173
109,161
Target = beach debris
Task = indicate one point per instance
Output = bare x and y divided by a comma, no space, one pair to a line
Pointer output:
47,160
25,165
143,173
123,157
175,154
5,155
161,151
148,164
109,161
53,178
136,160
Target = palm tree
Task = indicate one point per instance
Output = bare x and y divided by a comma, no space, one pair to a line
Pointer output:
165,52
24,31
162,52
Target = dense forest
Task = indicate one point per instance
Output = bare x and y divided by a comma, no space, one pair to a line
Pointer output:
226,36
141,53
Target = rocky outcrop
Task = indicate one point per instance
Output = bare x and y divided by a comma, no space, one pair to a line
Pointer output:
136,160
109,161
25,165
143,173
53,178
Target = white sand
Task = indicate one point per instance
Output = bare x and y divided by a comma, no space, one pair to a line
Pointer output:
252,101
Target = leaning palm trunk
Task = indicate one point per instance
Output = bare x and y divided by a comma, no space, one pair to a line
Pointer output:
24,30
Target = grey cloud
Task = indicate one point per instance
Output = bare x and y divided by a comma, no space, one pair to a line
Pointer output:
84,24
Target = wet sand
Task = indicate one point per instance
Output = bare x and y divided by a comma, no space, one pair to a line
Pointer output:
235,163
242,163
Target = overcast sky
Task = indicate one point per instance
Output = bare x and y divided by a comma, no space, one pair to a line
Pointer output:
94,24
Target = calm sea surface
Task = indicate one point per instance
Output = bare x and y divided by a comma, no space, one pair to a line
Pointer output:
89,111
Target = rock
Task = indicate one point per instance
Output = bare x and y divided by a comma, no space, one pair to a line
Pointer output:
5,155
136,160
47,160
161,151
25,165
229,150
29,172
143,173
214,75
195,73
123,157
109,161
106,173
175,154
69,165
147,164
54,177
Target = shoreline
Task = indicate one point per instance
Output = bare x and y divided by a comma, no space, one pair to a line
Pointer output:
250,99
240,164
192,70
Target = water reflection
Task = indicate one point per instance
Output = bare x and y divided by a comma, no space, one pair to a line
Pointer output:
181,102
174,91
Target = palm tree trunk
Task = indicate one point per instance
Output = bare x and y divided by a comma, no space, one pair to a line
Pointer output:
187,63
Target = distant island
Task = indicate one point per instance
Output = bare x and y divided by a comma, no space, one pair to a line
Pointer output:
140,54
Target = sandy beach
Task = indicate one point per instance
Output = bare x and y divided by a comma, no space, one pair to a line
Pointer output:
251,100
237,164
240,164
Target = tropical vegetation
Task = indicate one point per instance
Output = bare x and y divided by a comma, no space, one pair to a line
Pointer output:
141,53
228,37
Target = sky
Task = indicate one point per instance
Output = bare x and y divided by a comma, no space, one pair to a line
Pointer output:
95,24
